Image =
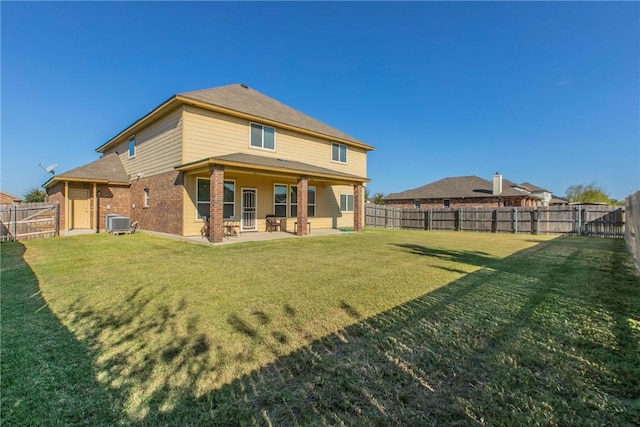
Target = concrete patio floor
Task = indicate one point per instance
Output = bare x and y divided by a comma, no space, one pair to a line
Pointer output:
250,236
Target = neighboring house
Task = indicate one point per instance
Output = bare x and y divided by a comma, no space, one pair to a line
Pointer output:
470,191
558,201
8,199
219,153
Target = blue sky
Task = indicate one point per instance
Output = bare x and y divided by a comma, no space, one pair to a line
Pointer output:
547,93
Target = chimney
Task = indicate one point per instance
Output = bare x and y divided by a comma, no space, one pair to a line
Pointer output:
497,184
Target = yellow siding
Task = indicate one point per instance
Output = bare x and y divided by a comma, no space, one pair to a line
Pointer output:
209,134
158,147
328,213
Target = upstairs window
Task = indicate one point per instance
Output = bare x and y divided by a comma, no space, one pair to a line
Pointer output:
263,137
132,147
338,152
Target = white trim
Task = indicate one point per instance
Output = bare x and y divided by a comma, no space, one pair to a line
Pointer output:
242,222
132,138
293,201
286,194
262,147
347,195
315,201
145,198
234,197
198,178
346,150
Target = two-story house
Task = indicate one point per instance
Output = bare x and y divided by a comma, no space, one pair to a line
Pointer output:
226,152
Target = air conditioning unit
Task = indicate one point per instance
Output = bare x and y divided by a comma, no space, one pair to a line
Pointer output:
107,221
118,224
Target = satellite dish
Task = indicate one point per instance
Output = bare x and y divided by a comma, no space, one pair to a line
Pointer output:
49,169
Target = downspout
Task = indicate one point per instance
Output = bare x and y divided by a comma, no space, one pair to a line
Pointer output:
95,205
66,206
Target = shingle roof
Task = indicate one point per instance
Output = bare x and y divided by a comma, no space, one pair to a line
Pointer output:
532,187
253,161
457,187
108,168
246,100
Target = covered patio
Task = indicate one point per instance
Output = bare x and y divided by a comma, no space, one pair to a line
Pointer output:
251,187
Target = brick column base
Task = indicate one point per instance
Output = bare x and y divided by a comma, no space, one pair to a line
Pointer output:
216,203
302,219
358,206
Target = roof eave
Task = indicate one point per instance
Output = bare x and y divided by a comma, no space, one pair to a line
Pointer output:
200,164
51,182
132,128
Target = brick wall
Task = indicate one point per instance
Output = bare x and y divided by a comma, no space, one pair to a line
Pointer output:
165,211
112,200
479,202
55,194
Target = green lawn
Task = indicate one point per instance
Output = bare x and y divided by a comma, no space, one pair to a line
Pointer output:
376,328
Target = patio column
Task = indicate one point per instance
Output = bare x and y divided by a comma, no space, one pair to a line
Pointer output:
358,206
216,203
303,187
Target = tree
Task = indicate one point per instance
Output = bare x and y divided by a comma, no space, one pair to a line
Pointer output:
587,193
378,198
35,195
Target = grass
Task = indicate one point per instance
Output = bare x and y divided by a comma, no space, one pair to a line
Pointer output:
375,328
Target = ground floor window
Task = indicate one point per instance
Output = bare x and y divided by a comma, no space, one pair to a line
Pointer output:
311,201
203,198
346,202
280,200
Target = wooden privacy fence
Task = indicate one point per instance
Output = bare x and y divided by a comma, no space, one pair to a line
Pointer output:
600,221
27,221
632,229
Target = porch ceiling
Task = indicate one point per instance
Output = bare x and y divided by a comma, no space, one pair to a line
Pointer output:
250,163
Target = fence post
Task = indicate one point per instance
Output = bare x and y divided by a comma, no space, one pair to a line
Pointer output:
515,220
576,221
15,222
426,220
56,218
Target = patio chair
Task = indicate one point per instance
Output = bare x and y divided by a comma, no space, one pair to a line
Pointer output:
272,223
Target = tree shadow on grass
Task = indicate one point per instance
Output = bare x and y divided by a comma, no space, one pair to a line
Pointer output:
47,375
546,338
535,342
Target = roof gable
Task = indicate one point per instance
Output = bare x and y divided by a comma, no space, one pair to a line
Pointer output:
106,169
243,99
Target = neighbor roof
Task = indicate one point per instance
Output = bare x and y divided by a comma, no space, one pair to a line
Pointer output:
275,164
533,188
245,101
107,169
457,187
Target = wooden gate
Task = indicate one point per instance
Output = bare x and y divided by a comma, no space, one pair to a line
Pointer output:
28,221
